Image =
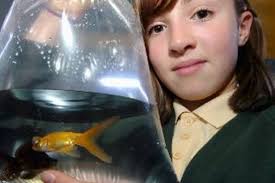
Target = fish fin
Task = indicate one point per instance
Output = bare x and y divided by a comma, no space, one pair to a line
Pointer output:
74,154
95,150
100,127
70,151
86,139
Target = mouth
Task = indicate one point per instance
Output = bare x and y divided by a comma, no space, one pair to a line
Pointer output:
188,67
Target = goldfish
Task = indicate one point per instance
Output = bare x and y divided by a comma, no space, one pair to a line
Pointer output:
66,142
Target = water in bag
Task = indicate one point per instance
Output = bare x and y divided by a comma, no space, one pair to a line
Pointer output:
79,101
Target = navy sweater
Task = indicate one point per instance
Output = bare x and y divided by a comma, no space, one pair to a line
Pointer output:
242,151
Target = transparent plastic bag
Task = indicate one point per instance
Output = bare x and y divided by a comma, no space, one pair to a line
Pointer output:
76,96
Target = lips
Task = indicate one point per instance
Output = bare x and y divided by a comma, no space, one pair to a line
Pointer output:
188,66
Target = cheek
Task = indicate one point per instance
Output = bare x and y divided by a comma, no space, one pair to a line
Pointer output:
152,54
222,44
155,47
158,61
155,53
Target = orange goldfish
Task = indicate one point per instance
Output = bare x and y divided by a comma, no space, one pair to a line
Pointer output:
66,142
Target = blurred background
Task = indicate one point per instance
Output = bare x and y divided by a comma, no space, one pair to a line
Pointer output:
265,10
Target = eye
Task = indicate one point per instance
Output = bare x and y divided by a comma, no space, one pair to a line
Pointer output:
156,29
203,14
35,141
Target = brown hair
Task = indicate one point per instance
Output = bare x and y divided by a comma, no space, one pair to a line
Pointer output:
147,9
255,88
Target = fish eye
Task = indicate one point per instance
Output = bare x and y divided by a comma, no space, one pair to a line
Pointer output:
35,140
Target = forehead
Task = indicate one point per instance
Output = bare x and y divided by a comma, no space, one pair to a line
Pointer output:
188,5
151,9
186,2
185,5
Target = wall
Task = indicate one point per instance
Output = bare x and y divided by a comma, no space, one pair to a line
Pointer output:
266,11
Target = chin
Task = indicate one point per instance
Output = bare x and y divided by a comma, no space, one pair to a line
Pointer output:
196,97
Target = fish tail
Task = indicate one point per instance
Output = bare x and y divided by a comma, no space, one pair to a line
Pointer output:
87,141
94,149
100,127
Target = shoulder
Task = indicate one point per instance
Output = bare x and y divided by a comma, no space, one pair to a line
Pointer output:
262,118
266,116
268,113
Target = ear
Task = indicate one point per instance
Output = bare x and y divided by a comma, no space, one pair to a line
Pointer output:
245,22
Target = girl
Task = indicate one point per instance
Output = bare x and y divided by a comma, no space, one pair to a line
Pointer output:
214,94
208,56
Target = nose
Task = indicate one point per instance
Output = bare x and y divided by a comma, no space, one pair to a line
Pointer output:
181,40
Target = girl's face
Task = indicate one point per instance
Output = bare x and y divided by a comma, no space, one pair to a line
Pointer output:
193,48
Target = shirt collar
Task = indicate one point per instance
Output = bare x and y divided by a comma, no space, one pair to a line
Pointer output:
216,112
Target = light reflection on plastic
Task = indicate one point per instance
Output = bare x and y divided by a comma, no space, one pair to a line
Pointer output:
58,65
113,82
120,14
8,17
55,100
67,33
87,74
6,45
33,6
120,82
114,51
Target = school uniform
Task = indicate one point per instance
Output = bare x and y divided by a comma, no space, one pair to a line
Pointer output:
241,149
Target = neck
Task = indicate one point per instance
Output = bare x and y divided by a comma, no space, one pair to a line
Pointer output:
193,105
